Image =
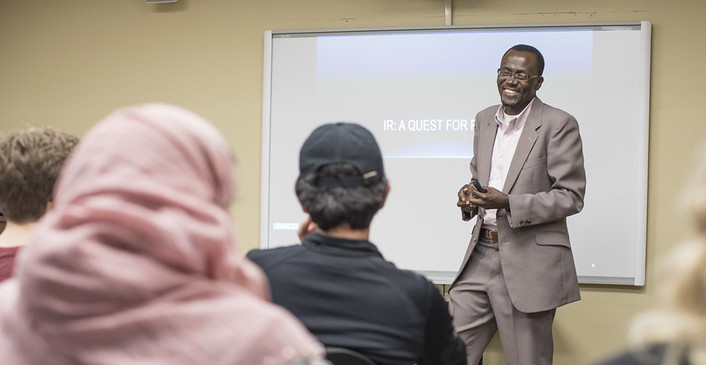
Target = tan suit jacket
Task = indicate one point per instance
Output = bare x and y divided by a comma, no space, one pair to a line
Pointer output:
546,183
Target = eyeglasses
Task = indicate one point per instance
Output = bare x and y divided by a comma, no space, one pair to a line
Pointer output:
519,76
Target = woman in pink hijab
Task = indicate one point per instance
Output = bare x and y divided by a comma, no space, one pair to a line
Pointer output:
137,263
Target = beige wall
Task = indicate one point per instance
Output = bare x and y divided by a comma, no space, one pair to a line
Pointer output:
68,63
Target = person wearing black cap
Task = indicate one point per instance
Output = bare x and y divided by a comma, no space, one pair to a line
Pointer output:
337,282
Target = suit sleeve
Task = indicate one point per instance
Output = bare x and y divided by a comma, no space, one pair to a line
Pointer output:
566,179
466,216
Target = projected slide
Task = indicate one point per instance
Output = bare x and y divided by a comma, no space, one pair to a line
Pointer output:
419,92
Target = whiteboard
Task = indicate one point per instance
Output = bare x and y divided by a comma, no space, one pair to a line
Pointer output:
418,91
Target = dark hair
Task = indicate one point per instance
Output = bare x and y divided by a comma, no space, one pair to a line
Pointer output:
30,161
330,207
530,49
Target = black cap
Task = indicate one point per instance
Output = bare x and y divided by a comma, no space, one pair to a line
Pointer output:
342,142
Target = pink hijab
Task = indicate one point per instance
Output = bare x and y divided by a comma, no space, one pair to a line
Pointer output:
138,262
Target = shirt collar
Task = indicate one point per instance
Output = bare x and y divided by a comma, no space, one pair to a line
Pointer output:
335,245
519,118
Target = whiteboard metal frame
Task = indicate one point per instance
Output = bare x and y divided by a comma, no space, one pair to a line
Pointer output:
444,277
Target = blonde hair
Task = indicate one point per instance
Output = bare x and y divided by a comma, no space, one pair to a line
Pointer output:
678,318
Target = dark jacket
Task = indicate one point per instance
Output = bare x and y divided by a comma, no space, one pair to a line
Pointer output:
348,296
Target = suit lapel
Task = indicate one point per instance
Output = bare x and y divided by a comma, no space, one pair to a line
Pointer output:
485,150
524,145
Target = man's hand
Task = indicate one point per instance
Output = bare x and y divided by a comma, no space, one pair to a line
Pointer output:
464,201
306,227
492,199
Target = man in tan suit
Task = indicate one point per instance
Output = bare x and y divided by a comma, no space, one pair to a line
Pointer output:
518,268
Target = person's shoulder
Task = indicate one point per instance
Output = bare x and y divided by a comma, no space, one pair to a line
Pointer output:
489,111
649,356
625,358
9,252
552,111
264,255
10,248
265,252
